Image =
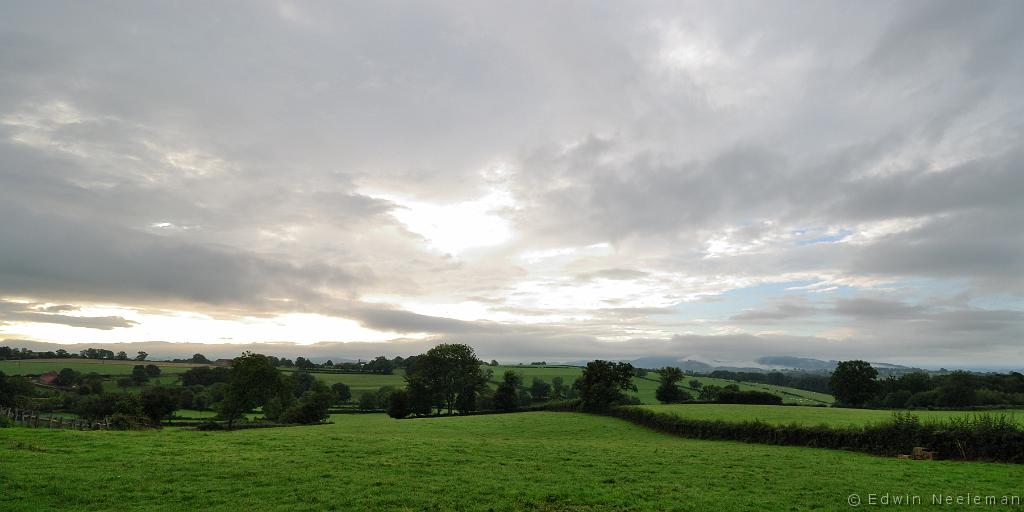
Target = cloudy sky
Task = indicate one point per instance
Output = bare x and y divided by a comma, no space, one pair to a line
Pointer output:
713,181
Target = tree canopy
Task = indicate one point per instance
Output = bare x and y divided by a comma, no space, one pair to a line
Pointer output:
853,382
451,375
603,383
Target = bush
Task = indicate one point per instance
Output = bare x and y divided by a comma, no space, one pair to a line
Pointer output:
205,376
671,394
121,421
342,392
368,400
923,399
748,397
897,399
398,406
311,408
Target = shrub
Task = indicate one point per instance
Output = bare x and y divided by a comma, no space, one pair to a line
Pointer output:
311,408
368,400
923,399
671,394
398,406
121,421
748,397
897,399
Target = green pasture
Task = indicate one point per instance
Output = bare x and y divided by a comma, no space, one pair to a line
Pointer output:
832,416
360,382
530,461
100,366
646,386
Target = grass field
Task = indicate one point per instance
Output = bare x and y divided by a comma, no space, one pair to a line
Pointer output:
360,382
647,386
546,373
100,366
807,415
529,461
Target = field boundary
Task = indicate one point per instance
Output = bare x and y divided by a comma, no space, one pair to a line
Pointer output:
32,419
984,438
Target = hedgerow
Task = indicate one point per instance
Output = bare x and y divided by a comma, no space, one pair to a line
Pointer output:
978,437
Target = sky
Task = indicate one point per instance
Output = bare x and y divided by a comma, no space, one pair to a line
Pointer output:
715,181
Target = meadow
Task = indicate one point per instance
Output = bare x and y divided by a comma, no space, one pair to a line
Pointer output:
646,386
100,366
530,461
360,382
836,417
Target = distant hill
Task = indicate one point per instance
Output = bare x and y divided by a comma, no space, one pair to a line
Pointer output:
797,363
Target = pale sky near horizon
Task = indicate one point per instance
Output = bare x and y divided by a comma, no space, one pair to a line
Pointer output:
711,180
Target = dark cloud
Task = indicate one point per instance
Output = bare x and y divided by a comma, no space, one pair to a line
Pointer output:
985,246
779,312
877,309
20,312
47,255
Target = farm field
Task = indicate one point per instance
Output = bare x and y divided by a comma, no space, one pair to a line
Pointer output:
360,382
777,415
546,373
529,461
647,386
100,366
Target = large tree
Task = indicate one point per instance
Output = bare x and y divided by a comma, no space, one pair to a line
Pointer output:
253,381
12,387
603,383
540,390
451,372
139,375
669,391
854,382
158,403
505,398
342,392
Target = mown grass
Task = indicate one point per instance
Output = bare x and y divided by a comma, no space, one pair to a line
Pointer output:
832,416
100,366
530,461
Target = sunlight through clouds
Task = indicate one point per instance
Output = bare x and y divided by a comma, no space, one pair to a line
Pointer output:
456,227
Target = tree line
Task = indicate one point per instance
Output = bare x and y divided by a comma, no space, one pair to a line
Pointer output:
806,381
14,354
856,384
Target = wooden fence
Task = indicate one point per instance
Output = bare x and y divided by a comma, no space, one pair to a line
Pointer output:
31,418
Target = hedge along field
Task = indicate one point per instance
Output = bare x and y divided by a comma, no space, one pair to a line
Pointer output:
832,416
100,366
530,461
977,437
